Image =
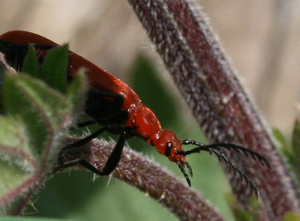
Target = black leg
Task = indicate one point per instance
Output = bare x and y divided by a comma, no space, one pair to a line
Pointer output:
78,143
110,165
112,161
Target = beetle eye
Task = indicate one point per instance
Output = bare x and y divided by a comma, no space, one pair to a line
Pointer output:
169,146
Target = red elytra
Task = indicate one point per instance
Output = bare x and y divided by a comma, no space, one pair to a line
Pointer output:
139,118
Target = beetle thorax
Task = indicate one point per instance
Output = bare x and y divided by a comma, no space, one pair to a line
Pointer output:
143,121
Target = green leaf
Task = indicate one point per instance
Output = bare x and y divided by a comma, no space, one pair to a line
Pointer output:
291,216
241,213
31,64
76,91
36,116
30,134
36,104
16,166
291,153
280,138
284,148
294,153
55,68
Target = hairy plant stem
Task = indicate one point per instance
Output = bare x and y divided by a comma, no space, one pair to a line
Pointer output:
210,86
149,177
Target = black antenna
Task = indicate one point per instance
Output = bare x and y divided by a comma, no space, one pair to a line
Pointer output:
214,149
219,146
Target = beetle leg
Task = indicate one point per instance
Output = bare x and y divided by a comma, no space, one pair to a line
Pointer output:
112,161
110,165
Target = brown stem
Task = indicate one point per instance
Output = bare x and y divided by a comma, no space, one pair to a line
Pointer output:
209,84
149,177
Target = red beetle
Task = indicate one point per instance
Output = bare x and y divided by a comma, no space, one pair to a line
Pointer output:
115,105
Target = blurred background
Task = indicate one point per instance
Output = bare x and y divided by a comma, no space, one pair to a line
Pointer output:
261,38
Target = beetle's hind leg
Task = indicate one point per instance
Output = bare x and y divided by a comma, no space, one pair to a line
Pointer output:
109,166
